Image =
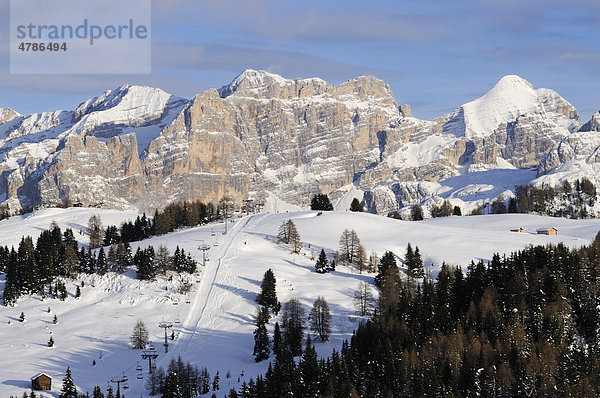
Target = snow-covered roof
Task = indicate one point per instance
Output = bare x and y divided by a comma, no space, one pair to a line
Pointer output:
40,374
546,229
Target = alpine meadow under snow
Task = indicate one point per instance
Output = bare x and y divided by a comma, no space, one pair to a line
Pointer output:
213,323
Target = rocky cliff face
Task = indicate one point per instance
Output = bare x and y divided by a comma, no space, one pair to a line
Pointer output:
265,135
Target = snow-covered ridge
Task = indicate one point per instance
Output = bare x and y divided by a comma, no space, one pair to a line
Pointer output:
7,114
259,81
511,97
127,104
266,133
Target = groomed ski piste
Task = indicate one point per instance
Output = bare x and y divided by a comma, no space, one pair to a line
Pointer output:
213,323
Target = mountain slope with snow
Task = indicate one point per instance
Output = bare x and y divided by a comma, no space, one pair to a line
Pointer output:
213,323
510,98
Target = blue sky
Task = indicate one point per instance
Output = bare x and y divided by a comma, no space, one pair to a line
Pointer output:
435,55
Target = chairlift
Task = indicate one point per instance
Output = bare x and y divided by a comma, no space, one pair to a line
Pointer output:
187,301
175,302
151,347
177,319
140,376
125,386
138,367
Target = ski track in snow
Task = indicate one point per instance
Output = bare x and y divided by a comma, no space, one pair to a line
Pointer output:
205,302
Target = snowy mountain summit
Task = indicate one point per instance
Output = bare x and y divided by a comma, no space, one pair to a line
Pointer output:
264,136
510,98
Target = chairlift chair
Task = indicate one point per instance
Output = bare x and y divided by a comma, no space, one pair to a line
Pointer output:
138,367
177,319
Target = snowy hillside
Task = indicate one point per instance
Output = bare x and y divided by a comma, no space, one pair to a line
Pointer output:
214,323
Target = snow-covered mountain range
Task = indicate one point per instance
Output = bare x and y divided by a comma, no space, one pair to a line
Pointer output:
279,140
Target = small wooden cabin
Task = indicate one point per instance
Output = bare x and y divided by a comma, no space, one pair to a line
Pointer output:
547,231
41,382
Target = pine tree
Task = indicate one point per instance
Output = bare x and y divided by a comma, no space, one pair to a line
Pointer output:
164,261
268,295
97,393
322,264
51,342
388,260
55,320
172,386
215,383
22,317
293,326
77,292
350,246
68,386
95,231
123,257
102,266
356,206
321,201
261,336
277,340
288,234
70,262
414,263
139,337
512,205
309,367
363,298
416,212
320,319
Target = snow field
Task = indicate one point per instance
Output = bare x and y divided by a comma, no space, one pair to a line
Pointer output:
215,327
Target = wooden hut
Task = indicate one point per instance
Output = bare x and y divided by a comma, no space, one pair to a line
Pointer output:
547,231
41,382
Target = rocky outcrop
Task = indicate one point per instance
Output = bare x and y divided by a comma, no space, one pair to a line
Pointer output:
263,133
593,124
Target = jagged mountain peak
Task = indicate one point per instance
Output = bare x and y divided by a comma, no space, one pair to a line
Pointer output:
252,79
593,124
263,84
133,100
7,114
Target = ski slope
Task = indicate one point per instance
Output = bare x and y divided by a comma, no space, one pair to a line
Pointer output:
214,322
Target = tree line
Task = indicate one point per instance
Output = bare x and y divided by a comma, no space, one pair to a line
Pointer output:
172,217
34,268
524,324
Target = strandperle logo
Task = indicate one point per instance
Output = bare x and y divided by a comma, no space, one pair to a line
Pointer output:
90,37
85,30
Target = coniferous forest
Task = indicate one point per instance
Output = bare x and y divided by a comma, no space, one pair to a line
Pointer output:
524,325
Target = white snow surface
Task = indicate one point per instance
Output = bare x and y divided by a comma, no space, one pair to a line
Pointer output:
511,97
216,319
